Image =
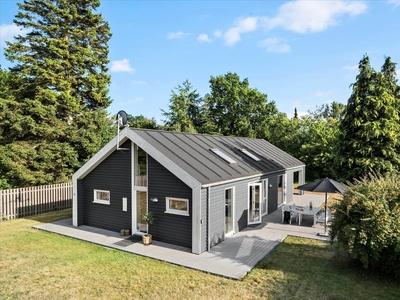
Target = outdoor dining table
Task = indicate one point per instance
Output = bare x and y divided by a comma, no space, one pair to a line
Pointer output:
308,212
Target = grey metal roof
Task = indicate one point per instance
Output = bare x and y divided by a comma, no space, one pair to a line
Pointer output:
192,153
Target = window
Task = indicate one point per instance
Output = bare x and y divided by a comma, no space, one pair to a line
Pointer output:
102,197
177,206
224,156
249,154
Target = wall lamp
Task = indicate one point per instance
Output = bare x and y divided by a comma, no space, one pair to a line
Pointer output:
153,199
270,186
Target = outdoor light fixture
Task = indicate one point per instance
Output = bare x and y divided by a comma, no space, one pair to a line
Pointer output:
153,199
270,186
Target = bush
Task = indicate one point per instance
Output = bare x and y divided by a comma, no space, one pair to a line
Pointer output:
367,222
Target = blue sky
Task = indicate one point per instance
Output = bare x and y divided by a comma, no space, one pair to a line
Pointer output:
301,53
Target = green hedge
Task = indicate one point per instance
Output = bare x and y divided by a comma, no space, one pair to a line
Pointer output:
367,222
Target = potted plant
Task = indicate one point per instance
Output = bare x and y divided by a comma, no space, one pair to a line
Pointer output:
148,219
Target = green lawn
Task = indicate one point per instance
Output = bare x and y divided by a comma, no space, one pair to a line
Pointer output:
39,265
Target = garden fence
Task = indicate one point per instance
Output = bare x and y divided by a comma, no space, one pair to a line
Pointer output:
21,202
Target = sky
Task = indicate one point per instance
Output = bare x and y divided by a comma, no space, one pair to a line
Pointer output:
302,54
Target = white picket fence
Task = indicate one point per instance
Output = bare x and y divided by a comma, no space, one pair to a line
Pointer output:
21,202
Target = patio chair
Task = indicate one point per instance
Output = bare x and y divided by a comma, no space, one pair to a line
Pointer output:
289,212
320,217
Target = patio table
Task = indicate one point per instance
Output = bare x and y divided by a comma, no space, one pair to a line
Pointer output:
308,212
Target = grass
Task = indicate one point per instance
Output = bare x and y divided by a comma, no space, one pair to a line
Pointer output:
39,265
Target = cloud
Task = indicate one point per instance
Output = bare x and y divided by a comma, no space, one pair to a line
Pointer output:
176,35
138,82
122,66
320,94
8,31
218,33
350,68
274,45
232,35
395,3
312,16
204,38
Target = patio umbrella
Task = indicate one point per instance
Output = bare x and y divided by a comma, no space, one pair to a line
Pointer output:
326,186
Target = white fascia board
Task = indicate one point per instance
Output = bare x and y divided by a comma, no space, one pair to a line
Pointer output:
92,163
300,167
234,180
103,153
162,159
196,220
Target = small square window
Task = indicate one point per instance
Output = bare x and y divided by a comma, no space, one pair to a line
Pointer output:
102,197
177,206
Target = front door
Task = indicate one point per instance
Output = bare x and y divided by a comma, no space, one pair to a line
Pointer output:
140,205
254,216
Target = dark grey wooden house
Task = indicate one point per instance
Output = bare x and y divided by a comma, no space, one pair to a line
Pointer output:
200,188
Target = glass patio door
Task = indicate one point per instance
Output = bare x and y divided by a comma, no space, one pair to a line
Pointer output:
229,230
254,216
141,209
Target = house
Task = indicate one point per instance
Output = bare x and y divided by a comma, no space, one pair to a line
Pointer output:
201,189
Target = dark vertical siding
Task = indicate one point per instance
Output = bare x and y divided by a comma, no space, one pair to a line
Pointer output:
169,228
80,196
204,218
273,192
114,175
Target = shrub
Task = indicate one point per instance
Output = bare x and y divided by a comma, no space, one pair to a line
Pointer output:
367,222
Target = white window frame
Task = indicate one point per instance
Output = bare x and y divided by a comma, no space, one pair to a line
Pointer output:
100,201
169,210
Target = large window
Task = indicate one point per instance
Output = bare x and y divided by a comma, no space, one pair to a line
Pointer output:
102,197
177,206
140,167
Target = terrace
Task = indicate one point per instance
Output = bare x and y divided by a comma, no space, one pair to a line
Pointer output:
232,258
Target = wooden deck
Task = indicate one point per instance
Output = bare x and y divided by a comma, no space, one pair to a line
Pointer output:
232,258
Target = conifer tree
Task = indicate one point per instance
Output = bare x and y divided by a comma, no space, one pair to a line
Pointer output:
369,132
56,119
184,114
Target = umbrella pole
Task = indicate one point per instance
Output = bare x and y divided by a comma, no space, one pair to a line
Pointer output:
326,215
326,211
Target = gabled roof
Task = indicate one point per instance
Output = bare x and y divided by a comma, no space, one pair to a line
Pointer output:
193,154
189,156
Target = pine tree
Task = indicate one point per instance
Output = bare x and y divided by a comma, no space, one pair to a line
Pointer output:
184,114
55,119
369,132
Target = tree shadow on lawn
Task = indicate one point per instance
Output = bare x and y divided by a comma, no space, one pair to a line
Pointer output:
310,269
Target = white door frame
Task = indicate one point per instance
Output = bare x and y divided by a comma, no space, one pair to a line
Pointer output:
232,232
259,184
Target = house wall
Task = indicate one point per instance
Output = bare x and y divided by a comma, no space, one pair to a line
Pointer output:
273,192
204,218
169,228
215,225
114,175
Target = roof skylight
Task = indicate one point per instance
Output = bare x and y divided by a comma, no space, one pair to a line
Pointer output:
249,154
223,155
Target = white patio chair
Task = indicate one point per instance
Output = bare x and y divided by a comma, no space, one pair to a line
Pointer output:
320,217
293,212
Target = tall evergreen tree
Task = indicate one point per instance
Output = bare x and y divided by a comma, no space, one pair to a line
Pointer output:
56,118
184,114
369,132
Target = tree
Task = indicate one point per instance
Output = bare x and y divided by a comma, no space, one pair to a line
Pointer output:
236,109
184,114
369,132
55,118
142,122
